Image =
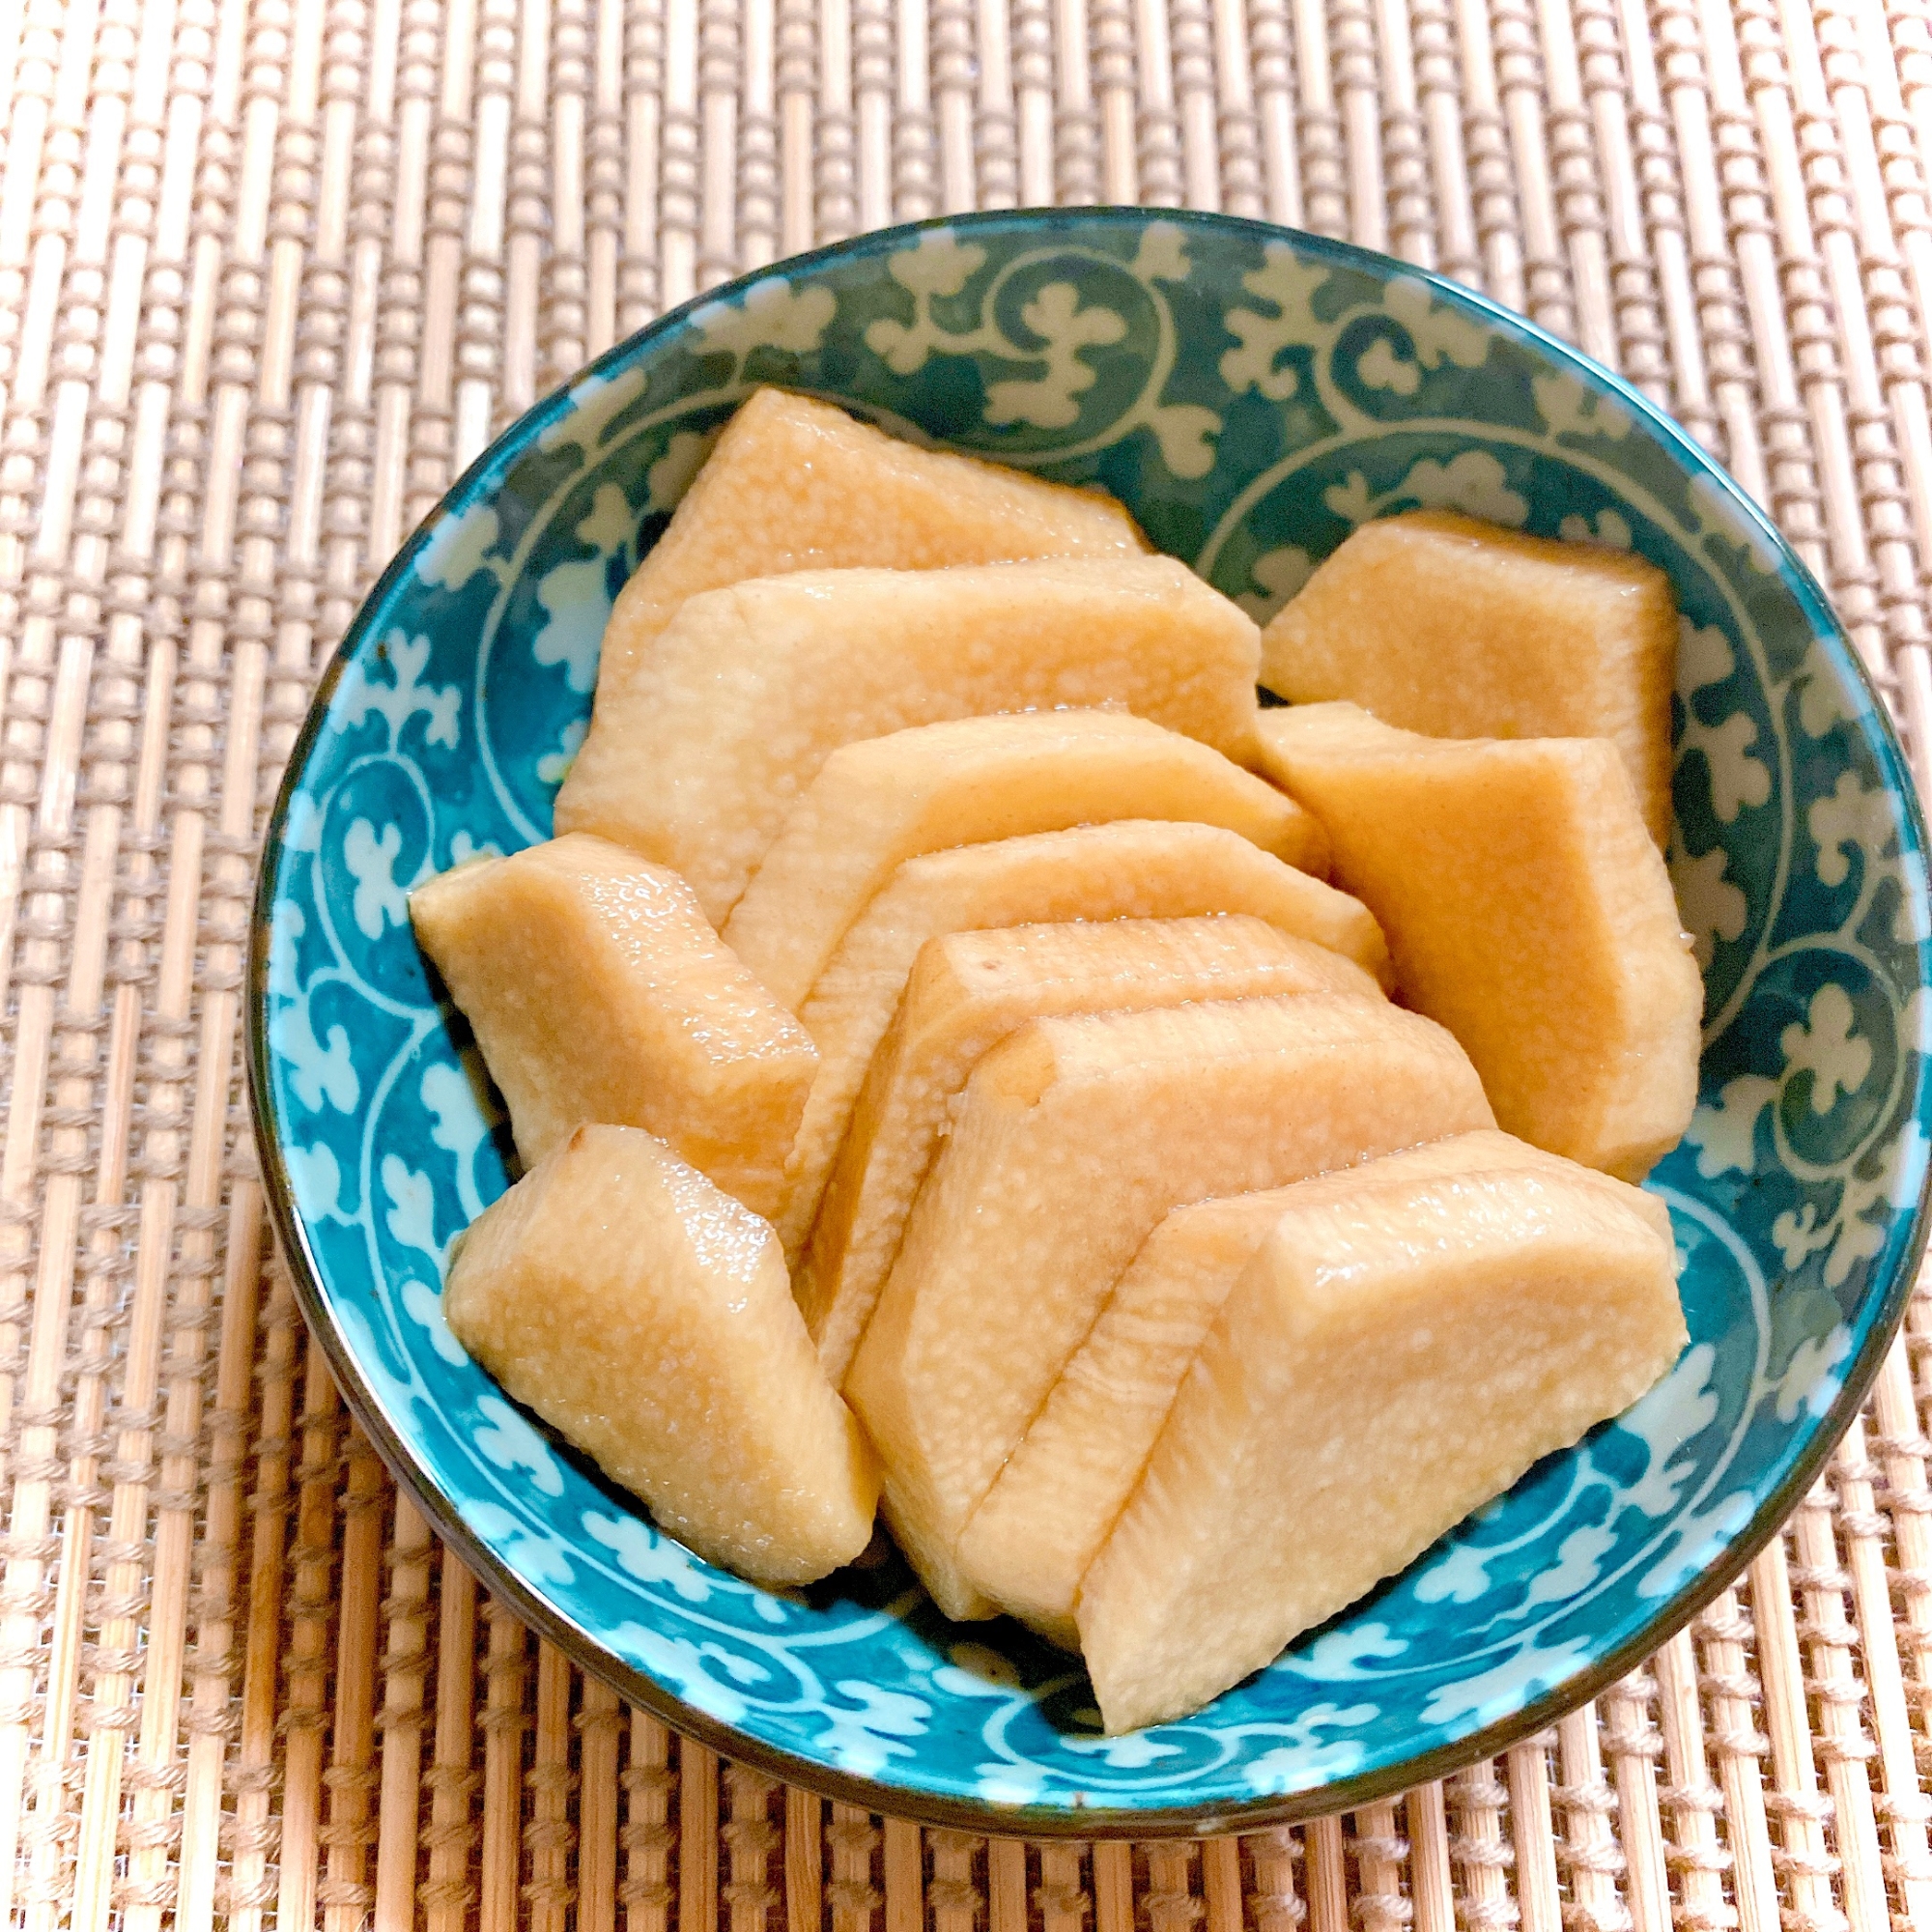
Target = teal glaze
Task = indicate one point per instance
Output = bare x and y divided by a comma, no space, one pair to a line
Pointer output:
1252,395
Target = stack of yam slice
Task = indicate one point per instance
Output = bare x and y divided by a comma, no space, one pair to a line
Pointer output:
1177,1157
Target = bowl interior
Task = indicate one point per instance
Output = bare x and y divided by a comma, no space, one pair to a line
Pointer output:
1252,397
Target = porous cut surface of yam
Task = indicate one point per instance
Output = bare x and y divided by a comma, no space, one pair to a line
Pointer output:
1131,868
882,801
748,691
1072,1139
968,991
1528,910
1388,1361
1028,1543
647,1317
1439,623
599,991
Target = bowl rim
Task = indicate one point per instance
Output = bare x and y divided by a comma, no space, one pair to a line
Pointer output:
986,1816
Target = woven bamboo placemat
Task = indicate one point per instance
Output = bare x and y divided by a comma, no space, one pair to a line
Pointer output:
271,272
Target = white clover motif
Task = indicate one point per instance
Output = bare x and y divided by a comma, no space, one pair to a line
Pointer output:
512,1445
1049,401
1287,285
1438,332
1578,1563
773,315
686,1666
410,1218
1133,1752
370,859
1739,778
1338,1656
404,697
1710,907
577,604
316,1175
1065,328
1844,1237
1505,1684
1854,820
1569,409
1694,1540
1280,573
1836,1060
538,1553
1162,256
1379,367
458,548
1607,531
652,1557
1809,1381
1828,1047
456,1100
863,1739
320,1072
1725,1131
575,592
553,767
423,1305
595,403
463,849
1678,1410
665,482
1306,1758
1473,482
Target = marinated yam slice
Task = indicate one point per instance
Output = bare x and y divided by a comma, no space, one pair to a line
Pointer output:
647,1316
599,992
1132,868
794,484
882,801
1045,1520
968,990
1526,910
1437,623
1072,1139
1388,1361
748,691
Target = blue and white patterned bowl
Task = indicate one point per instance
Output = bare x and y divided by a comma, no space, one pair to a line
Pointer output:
1252,397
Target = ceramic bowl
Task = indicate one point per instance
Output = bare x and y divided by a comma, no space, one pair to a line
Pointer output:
1252,397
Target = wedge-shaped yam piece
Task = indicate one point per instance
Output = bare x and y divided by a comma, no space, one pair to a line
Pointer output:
1439,623
647,1316
794,484
1071,1141
599,992
1045,1520
883,801
1526,910
1387,1362
968,991
1132,868
748,691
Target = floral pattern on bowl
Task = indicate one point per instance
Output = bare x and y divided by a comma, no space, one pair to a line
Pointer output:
1252,395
